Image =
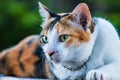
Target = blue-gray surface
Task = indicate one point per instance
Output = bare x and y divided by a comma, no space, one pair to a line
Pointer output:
14,78
2,77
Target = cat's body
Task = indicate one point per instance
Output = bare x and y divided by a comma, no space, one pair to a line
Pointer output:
25,59
104,56
79,47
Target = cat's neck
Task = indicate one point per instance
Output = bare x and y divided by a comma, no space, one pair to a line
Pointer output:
105,41
106,34
59,71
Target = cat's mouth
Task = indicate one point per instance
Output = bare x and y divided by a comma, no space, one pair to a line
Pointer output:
73,65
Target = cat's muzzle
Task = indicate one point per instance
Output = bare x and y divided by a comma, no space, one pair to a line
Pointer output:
54,56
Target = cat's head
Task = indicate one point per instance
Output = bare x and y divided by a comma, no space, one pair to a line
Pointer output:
66,36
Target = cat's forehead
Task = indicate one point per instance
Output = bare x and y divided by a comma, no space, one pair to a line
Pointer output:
58,23
64,26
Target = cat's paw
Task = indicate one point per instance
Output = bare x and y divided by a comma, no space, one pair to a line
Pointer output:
96,75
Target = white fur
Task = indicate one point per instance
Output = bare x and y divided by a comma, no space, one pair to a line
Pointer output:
43,13
103,49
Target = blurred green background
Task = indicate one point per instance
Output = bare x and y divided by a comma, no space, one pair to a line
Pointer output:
20,18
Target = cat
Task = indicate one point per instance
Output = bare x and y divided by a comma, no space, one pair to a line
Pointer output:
25,59
79,47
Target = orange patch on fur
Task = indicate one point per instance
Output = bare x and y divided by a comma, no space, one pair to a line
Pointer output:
27,59
77,36
23,53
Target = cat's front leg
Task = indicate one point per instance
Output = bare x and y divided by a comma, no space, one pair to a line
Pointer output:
96,75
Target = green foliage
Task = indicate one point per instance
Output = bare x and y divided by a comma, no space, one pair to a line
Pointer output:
20,18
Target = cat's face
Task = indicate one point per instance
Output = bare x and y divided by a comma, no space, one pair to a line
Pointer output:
66,37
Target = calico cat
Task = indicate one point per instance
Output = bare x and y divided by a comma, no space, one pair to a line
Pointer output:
78,46
26,59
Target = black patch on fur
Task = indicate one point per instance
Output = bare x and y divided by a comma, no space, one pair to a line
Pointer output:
39,51
52,14
40,69
22,67
30,42
20,53
20,63
57,19
40,64
3,63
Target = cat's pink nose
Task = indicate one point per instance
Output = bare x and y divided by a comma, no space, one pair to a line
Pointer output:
50,53
54,55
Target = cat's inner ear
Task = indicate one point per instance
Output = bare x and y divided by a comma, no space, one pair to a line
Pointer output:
81,16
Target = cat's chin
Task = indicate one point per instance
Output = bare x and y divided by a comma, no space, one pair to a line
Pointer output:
55,60
73,65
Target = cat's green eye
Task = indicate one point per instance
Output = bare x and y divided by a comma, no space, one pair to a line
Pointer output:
63,38
44,39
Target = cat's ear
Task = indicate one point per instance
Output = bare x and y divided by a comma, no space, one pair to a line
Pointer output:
45,13
81,16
